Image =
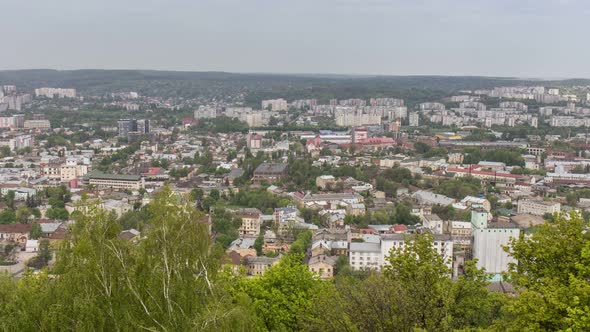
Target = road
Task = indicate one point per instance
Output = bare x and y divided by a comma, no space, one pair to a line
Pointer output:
17,269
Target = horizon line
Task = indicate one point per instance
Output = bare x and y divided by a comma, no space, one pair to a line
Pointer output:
358,75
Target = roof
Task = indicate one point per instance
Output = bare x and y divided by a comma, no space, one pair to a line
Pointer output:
270,168
104,176
153,171
128,234
365,247
245,243
526,220
402,237
330,260
430,197
260,259
49,227
15,228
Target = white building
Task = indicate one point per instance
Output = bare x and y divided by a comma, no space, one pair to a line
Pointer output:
275,104
489,240
373,255
538,207
55,92
414,119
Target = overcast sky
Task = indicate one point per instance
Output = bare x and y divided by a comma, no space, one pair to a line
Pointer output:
523,38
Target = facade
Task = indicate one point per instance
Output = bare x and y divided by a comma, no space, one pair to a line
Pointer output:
322,266
373,255
251,221
538,207
365,256
114,181
442,243
275,104
258,265
270,172
55,92
489,240
414,119
18,233
37,124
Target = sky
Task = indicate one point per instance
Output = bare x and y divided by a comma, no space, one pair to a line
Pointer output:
516,38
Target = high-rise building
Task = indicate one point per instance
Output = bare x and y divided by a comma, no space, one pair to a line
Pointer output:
414,119
275,104
126,126
138,127
143,126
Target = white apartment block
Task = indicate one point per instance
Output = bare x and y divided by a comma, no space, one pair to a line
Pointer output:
538,207
205,112
275,104
18,142
357,120
414,119
55,92
373,255
37,124
569,121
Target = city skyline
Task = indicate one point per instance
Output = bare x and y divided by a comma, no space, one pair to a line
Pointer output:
443,38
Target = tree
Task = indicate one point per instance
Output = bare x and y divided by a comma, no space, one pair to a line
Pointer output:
22,214
553,275
36,231
7,217
43,256
57,213
168,281
9,198
283,294
423,281
421,147
258,243
214,194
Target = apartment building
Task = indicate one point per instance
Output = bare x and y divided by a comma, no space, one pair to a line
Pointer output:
538,207
114,181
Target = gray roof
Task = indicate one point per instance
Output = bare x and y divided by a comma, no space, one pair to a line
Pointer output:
365,247
432,198
270,168
49,227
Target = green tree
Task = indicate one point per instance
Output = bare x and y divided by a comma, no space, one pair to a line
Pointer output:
7,217
553,274
57,213
22,214
36,231
283,294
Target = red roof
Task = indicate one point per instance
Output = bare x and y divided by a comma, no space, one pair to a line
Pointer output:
376,140
153,171
400,228
15,228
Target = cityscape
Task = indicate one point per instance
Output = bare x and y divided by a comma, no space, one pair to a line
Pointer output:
252,200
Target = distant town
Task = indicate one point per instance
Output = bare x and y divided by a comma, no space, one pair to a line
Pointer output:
343,182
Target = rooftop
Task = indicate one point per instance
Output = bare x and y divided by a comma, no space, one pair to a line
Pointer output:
104,176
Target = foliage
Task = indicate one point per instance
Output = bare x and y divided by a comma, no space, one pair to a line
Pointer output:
283,294
43,256
459,187
553,274
507,156
36,231
302,243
